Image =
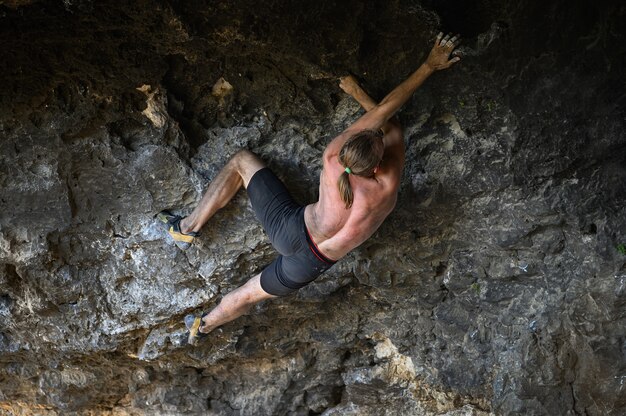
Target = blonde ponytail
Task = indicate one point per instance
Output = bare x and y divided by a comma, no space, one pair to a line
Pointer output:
359,156
345,190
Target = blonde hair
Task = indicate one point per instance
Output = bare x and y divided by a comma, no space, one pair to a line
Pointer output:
358,154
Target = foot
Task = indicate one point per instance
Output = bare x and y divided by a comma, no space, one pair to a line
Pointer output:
193,324
172,224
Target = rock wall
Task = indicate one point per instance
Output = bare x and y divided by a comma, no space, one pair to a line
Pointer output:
496,286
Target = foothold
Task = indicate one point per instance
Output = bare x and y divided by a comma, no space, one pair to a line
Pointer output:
221,89
155,109
476,287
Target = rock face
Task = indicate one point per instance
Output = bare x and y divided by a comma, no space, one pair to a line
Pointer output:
498,284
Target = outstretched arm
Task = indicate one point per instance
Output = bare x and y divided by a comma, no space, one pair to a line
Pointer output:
439,58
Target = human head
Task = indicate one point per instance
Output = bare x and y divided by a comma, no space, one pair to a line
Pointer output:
361,154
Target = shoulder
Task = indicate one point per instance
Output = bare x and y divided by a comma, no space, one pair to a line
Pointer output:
390,174
334,147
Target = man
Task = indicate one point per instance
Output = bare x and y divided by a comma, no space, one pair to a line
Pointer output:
359,181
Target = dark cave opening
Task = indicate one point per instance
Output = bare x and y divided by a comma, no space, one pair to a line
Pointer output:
468,18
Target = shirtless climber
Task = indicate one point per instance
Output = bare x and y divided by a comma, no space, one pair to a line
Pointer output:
359,182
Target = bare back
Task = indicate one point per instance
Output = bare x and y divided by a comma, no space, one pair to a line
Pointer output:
336,229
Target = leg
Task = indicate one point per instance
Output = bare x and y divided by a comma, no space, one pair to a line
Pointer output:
237,173
235,304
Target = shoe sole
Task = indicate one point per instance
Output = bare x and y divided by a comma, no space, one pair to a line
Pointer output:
182,245
193,324
165,219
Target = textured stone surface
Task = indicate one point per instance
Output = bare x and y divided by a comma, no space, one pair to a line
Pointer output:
496,286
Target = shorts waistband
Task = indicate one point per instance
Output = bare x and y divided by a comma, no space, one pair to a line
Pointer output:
316,250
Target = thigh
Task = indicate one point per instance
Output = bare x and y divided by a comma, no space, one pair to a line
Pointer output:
287,274
272,280
276,210
303,267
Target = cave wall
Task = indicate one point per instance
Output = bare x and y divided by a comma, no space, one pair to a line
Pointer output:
496,286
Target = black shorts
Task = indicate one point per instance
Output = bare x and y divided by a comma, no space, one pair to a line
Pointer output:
300,261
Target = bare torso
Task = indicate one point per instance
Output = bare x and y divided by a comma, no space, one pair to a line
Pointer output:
336,229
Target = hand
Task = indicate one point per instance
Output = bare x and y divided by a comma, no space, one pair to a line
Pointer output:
349,84
439,57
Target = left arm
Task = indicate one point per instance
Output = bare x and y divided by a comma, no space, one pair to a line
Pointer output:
379,114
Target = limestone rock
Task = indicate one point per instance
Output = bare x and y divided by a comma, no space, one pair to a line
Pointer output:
497,286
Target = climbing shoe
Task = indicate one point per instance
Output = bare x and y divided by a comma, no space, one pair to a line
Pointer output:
193,324
172,224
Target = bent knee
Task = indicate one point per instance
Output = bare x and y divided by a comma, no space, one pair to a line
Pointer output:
247,164
244,156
